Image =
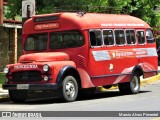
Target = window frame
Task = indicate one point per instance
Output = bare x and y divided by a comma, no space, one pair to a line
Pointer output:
62,32
144,37
153,37
134,37
102,42
113,37
29,35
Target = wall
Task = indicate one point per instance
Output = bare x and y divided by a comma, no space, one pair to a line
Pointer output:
7,46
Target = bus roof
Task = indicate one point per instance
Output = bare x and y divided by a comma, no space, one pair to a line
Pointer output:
72,21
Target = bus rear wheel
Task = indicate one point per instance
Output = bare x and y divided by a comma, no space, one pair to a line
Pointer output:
131,87
69,89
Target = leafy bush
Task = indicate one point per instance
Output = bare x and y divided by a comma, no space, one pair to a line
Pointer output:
2,78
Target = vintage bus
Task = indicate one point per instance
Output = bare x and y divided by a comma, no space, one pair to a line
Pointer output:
74,52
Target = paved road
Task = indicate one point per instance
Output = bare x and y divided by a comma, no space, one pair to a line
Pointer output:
147,100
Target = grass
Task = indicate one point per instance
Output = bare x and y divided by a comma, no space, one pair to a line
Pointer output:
2,78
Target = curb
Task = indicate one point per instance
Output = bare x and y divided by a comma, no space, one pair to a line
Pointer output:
143,83
4,98
150,80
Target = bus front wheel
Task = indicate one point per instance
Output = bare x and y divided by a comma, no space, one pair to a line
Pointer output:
131,87
69,89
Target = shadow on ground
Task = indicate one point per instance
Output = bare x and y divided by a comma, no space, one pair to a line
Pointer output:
96,96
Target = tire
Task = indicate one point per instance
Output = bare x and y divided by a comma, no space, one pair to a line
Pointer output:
132,87
69,89
18,95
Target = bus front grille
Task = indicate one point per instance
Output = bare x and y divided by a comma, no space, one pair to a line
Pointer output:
26,76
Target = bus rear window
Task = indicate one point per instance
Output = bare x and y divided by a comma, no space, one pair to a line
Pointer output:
149,36
66,39
36,42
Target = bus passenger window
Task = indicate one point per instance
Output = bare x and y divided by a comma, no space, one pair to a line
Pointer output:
108,37
130,36
141,37
120,37
95,38
149,36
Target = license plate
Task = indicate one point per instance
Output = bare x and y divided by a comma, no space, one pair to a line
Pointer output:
22,86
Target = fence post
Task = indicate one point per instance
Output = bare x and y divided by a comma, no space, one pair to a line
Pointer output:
1,11
15,45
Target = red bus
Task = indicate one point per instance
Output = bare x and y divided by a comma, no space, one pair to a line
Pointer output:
73,52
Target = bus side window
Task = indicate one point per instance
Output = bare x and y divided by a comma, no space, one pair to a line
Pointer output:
120,37
149,36
95,38
108,37
130,36
141,37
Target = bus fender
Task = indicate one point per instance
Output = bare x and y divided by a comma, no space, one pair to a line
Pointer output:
85,79
138,68
68,70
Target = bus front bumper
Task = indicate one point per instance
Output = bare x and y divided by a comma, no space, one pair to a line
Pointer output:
30,86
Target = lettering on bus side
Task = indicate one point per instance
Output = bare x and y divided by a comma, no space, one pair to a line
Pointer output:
102,55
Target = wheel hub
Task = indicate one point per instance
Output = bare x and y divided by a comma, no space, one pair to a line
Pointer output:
135,84
70,89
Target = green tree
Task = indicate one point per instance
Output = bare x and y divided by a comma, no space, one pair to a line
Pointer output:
15,8
139,8
144,9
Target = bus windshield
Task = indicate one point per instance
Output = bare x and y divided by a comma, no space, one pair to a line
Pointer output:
57,40
66,39
36,42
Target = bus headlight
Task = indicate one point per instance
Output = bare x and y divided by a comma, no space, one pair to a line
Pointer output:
6,70
46,78
46,68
